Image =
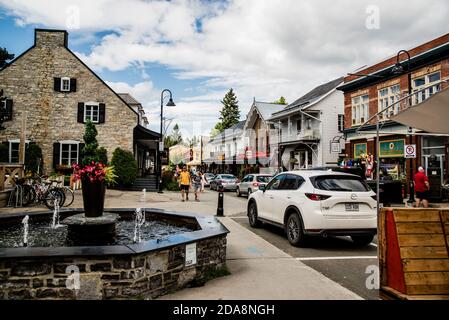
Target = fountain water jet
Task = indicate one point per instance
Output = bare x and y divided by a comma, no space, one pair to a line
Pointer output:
55,222
25,230
139,222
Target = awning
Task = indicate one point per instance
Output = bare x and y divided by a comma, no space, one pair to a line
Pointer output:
194,163
142,133
431,115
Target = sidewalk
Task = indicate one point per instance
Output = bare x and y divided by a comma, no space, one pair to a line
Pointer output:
261,271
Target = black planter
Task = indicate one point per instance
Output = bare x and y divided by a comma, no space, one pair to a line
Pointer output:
93,198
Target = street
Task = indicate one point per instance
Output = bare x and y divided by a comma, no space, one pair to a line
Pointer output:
335,257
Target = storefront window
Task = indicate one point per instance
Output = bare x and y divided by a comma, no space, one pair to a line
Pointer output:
425,81
388,97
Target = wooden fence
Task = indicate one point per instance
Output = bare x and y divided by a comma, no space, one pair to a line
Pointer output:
414,253
7,173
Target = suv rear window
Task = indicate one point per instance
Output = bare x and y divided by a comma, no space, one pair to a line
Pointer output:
264,179
340,183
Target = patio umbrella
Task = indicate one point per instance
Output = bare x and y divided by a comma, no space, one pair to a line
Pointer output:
431,116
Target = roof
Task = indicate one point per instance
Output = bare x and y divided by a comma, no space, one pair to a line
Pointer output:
129,99
312,96
313,173
238,126
267,109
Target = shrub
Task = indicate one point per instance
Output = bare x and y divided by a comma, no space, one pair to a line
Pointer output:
102,155
125,167
33,158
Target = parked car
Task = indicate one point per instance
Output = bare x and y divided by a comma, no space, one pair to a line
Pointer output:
316,203
390,191
208,177
251,182
228,181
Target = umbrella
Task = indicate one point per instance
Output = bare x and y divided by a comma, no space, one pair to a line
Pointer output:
431,115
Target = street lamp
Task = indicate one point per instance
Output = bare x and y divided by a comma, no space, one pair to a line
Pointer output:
161,139
399,69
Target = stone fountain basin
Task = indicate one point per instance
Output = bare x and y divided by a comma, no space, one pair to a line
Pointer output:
150,268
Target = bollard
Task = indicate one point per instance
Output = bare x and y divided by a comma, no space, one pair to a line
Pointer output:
220,210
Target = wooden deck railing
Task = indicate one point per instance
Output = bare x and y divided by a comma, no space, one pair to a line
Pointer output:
8,172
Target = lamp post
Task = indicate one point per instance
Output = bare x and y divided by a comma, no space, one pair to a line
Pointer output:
161,139
399,69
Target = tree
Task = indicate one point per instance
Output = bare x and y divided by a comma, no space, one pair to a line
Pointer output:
281,101
230,113
33,158
5,56
125,167
90,152
176,134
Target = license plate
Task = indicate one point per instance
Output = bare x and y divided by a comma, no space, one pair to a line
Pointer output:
351,207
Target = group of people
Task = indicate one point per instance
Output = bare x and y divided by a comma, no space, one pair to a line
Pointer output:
186,180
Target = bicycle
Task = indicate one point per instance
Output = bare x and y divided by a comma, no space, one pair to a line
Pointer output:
42,192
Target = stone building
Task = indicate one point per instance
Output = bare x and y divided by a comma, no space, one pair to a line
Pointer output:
57,93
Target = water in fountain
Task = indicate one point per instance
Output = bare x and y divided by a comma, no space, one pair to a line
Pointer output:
55,222
25,230
143,198
138,223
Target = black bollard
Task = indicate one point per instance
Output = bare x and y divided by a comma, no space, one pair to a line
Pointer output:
220,210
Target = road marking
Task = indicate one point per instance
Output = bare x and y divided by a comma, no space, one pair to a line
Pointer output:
335,258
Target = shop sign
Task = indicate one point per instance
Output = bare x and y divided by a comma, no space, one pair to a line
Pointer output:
391,148
335,147
359,149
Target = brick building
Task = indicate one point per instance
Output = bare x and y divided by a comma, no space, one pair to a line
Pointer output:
57,93
381,85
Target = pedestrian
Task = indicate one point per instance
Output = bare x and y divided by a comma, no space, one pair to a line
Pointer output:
203,181
422,187
184,183
197,179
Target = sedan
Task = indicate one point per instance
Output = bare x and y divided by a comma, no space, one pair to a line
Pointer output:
316,203
251,183
208,177
227,181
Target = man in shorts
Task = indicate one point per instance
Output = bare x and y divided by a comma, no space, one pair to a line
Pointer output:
422,188
197,184
184,183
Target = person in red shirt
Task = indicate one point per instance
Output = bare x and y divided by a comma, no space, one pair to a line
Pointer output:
422,188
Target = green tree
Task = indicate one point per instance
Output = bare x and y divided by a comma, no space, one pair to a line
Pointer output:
4,57
281,101
174,138
230,112
33,158
125,167
90,152
102,155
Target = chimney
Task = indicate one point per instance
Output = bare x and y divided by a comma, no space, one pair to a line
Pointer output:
50,38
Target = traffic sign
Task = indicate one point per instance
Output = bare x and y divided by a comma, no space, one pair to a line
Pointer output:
410,151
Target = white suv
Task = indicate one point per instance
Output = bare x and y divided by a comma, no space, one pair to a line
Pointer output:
322,203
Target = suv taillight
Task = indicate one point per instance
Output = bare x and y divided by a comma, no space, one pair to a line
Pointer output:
316,197
256,184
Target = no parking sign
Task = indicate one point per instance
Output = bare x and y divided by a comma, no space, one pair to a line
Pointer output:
410,151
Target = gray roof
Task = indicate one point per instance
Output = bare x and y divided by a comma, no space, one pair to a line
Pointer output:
238,126
312,96
129,99
267,109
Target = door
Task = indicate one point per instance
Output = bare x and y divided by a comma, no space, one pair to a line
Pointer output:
269,197
246,183
287,195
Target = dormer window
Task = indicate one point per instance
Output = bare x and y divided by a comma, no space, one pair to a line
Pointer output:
65,84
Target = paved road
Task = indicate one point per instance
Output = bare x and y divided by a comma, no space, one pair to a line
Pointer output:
335,257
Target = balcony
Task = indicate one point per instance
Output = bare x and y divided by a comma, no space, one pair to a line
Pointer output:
307,134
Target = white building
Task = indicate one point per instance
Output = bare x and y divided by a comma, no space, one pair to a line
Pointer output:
309,125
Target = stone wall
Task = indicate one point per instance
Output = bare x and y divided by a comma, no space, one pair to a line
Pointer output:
52,116
146,275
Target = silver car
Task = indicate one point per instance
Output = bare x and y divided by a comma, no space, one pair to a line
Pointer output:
228,181
251,182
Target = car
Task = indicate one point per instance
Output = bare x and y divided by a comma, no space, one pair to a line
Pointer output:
227,181
208,177
310,203
251,182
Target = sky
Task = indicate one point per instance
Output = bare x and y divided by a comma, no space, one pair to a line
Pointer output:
199,49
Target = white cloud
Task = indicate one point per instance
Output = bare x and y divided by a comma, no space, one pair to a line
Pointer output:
262,48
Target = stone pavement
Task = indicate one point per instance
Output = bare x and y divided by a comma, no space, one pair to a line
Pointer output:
258,269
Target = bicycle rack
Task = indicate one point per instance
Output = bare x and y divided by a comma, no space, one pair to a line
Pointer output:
16,193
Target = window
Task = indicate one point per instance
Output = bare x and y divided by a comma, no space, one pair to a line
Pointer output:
91,112
264,179
425,81
341,122
340,183
360,109
388,97
291,182
298,125
275,183
13,155
65,84
68,153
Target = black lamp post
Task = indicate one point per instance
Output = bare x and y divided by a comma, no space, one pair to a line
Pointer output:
161,139
399,69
